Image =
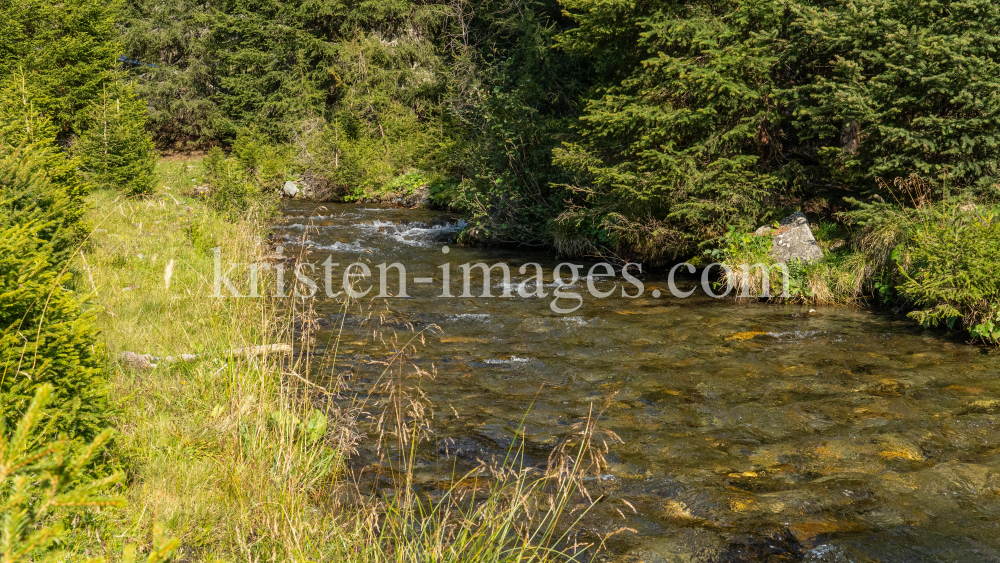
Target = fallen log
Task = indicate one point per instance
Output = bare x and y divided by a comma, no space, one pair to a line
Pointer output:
148,361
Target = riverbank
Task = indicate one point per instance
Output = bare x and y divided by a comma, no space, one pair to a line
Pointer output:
207,447
236,455
934,261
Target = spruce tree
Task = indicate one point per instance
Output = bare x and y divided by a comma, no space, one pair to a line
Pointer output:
116,151
67,51
45,334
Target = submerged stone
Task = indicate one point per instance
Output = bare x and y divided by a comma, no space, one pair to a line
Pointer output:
463,447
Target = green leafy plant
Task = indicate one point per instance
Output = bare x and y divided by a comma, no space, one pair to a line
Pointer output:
738,245
798,280
949,268
409,182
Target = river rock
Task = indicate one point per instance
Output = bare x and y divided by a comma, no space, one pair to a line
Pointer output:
465,447
290,189
793,240
420,198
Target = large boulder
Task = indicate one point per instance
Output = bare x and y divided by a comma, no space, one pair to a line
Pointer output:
793,240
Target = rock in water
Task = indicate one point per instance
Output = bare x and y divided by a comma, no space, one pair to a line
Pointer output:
290,189
794,240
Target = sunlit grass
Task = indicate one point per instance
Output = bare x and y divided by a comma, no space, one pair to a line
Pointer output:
229,453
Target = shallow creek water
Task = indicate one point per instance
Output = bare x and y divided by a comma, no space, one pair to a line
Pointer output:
835,436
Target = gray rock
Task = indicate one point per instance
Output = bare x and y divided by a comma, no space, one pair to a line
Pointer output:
290,189
420,198
794,240
137,361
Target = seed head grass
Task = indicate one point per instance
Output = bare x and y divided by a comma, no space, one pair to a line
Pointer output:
245,457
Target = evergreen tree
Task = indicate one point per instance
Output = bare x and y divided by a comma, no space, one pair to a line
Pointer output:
115,149
678,137
45,335
883,89
66,50
166,45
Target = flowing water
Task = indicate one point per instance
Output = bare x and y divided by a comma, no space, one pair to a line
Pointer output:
749,432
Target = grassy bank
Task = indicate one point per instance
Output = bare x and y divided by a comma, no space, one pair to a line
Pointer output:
204,442
234,454
934,260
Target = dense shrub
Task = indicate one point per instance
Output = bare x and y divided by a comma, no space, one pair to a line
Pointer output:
949,268
885,89
167,49
713,114
45,337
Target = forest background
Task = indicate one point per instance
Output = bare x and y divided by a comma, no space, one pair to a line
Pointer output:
645,131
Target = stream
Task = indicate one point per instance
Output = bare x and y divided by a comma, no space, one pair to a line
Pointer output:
748,432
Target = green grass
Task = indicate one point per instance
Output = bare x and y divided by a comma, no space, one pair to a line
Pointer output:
223,454
935,260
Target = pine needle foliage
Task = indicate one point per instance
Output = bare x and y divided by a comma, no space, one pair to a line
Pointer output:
45,335
680,126
116,151
47,181
66,50
883,89
40,479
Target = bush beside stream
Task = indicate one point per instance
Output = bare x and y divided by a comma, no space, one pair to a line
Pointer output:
935,261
